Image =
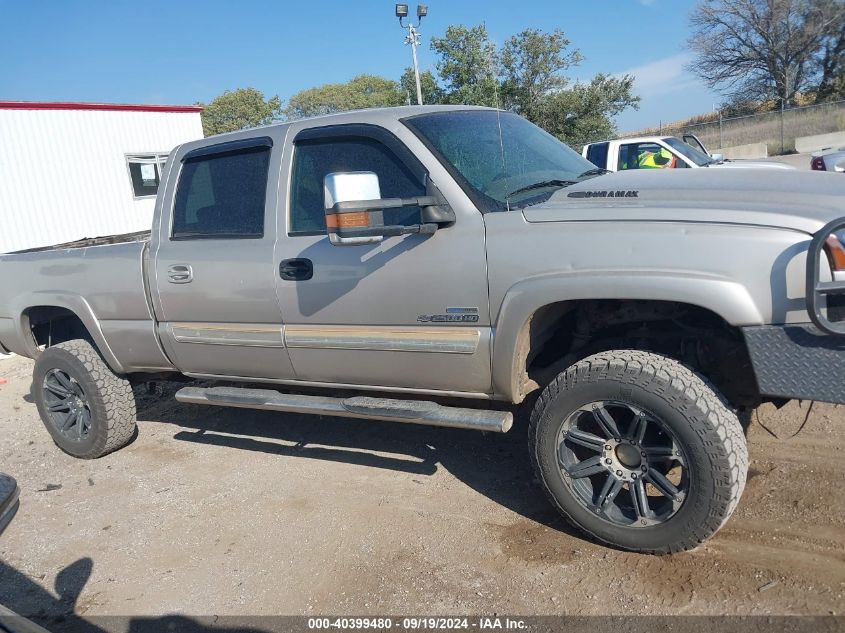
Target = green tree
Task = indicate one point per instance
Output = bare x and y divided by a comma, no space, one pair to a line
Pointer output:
363,91
432,93
239,109
528,77
467,65
532,63
584,113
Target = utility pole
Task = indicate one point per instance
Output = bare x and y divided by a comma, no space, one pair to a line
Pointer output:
413,38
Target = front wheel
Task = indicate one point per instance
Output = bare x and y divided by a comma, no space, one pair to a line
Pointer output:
638,451
88,410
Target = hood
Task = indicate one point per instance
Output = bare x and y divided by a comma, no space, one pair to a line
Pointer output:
798,200
741,163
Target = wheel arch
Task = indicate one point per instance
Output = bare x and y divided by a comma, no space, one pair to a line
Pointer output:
536,301
76,317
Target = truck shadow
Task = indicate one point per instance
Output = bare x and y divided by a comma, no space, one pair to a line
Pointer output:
57,611
495,465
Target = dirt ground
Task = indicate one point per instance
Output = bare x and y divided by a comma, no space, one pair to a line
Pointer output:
233,512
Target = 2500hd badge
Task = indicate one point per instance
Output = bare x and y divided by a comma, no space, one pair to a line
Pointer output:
453,315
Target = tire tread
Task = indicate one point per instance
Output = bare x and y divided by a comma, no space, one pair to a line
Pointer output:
707,410
114,392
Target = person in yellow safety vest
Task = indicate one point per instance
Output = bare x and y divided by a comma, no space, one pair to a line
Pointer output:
656,160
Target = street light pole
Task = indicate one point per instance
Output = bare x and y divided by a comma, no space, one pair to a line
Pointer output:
413,38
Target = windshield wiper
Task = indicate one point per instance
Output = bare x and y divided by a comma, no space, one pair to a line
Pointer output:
542,185
598,171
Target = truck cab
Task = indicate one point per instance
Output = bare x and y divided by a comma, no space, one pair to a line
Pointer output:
244,265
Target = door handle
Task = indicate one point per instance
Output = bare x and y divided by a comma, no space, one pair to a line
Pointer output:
180,274
298,269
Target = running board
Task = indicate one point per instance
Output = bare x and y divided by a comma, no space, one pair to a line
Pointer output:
410,411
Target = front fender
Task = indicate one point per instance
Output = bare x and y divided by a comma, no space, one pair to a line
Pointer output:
727,298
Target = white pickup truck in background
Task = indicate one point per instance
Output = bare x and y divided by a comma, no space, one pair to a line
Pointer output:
654,152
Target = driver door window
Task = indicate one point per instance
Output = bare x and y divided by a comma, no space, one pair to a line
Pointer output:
645,156
313,160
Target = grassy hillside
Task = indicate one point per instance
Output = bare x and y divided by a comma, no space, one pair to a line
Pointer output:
757,128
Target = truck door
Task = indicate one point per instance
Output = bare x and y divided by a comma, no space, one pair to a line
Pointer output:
409,312
693,141
213,285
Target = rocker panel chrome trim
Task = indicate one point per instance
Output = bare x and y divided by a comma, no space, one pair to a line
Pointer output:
241,334
409,339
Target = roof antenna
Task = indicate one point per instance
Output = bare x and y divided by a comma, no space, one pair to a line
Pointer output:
491,70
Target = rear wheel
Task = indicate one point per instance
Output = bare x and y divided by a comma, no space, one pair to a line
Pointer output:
88,410
638,451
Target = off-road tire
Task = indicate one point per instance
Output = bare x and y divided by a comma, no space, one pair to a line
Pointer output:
703,423
110,398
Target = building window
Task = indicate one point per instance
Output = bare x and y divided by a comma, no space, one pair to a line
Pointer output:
145,172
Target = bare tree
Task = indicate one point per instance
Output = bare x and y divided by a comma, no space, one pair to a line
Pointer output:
832,83
763,49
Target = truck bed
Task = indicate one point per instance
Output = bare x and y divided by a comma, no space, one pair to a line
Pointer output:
122,238
101,280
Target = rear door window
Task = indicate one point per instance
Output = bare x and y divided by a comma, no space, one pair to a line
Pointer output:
222,196
597,154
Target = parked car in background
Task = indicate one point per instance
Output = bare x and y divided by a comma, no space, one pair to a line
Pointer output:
663,152
829,160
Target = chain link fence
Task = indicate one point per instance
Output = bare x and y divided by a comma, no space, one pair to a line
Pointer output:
777,129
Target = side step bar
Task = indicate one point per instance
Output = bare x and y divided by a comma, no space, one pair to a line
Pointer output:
410,411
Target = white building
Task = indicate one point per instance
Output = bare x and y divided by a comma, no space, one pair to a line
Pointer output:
75,170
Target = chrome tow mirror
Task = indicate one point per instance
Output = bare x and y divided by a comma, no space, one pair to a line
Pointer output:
350,219
355,210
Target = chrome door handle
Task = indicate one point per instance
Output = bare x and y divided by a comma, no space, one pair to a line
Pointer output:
180,274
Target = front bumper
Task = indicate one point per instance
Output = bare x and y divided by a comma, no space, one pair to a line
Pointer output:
797,362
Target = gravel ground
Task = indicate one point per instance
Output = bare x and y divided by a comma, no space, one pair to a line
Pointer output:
236,512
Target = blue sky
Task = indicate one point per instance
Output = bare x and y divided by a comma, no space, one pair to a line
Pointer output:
182,51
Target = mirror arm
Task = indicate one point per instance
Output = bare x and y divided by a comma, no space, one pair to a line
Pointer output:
384,203
390,231
433,211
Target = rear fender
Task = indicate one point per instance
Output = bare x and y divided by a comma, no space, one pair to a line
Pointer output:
75,304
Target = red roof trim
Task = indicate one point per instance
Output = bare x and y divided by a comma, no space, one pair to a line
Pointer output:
114,107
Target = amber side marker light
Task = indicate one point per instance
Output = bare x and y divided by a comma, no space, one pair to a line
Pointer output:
357,220
835,252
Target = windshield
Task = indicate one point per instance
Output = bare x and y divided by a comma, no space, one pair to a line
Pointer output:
696,156
519,166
